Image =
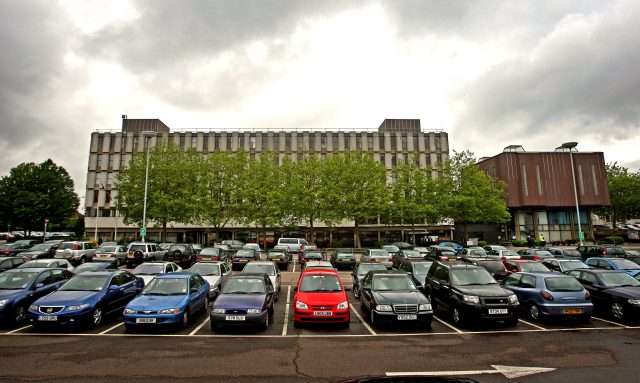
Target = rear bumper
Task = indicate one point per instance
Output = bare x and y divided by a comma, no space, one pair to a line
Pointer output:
560,310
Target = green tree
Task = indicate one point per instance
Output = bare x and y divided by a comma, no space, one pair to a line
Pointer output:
172,192
623,191
32,192
469,195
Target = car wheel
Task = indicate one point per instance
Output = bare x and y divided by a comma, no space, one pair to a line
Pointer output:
97,316
372,318
617,311
456,315
82,260
427,323
185,318
356,293
345,325
118,262
265,325
534,312
205,308
214,327
20,314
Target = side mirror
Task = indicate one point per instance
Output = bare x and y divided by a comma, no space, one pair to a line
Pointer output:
193,290
113,287
39,285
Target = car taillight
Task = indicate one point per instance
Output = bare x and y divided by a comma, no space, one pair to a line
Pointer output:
198,258
536,257
546,295
587,296
373,260
604,251
444,258
215,258
5,251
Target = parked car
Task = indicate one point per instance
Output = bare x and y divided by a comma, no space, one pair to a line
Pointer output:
280,258
503,255
246,299
40,251
455,246
284,248
242,257
148,270
360,271
343,258
169,299
28,242
390,296
234,244
403,255
255,247
226,249
635,260
613,264
563,265
544,295
320,298
13,249
76,252
403,245
489,248
19,288
317,265
470,292
584,250
164,246
613,292
493,266
214,272
293,244
563,253
108,243
113,254
391,249
472,252
266,267
95,266
197,248
139,252
182,254
422,250
630,253
8,263
417,269
306,247
86,299
609,251
213,254
534,254
312,255
516,265
438,253
377,255
48,264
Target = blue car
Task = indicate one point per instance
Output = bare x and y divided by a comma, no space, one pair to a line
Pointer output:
86,299
621,264
169,299
20,287
456,246
547,294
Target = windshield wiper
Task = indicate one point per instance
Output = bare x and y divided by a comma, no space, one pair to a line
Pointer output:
236,292
154,293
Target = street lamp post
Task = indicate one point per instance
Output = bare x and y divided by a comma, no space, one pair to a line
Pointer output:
146,135
571,146
95,234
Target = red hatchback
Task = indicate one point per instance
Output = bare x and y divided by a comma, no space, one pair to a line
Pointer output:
320,298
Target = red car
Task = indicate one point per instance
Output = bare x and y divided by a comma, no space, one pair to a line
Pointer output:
320,298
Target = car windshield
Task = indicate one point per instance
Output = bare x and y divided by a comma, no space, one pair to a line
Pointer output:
493,266
478,252
496,247
134,248
89,267
32,264
244,286
411,253
471,276
571,253
391,249
614,251
85,282
166,286
41,247
276,254
624,264
571,265
148,269
543,253
107,249
205,269
509,253
268,269
618,279
421,267
210,251
320,283
313,254
533,267
14,281
378,253
562,284
392,283
345,255
181,248
245,253
366,267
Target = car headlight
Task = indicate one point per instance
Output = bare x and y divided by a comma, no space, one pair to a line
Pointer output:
128,311
3,302
77,307
33,308
513,299
425,307
631,301
301,305
344,305
170,311
471,298
217,311
254,311
384,308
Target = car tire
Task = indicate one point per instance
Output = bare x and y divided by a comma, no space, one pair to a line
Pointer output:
427,323
617,311
214,327
265,324
97,316
372,317
20,314
118,262
356,293
205,307
82,260
185,319
346,324
534,312
456,314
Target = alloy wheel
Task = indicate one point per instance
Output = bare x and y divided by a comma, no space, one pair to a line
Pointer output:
455,315
97,316
21,313
534,312
617,311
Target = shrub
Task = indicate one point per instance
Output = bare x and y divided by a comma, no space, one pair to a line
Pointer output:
335,243
614,240
482,243
519,243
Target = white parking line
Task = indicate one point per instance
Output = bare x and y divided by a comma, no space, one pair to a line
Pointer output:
362,320
294,267
533,325
18,329
199,327
608,321
286,312
111,328
447,324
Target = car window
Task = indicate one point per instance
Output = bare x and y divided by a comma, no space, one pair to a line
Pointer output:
562,284
512,280
44,278
58,275
589,279
117,280
17,261
604,264
127,277
528,282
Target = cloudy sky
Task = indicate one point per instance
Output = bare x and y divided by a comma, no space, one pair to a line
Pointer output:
490,73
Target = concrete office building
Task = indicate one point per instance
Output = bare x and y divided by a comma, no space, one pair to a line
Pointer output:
393,141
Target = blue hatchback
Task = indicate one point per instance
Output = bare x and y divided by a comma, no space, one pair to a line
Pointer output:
169,299
86,299
550,294
621,264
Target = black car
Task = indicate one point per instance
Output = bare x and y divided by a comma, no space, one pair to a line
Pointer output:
280,258
534,254
12,249
343,259
360,271
493,266
182,254
403,255
440,253
470,292
8,263
417,269
390,296
40,251
612,291
609,251
563,253
312,255
242,257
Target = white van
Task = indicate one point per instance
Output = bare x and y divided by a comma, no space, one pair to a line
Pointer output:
293,244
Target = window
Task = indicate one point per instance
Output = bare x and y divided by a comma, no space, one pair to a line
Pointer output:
312,141
415,142
252,141
112,142
299,141
276,141
183,140
403,139
107,196
240,141
216,140
347,141
229,138
287,141
427,143
98,160
528,282
538,179
123,143
334,141
100,142
381,141
323,141
135,142
194,141
123,160
369,141
96,194
205,142
437,140
525,187
394,161
394,142
109,178
44,278
110,165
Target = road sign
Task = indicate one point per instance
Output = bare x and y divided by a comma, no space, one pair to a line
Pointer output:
143,231
581,235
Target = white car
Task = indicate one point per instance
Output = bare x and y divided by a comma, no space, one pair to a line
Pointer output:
267,267
253,246
48,263
214,272
504,255
148,270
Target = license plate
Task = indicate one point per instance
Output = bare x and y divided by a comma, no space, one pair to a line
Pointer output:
244,260
235,317
572,311
498,311
48,318
145,320
104,256
323,313
407,317
275,259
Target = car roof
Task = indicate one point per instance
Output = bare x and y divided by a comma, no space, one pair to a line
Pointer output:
393,272
180,275
544,274
30,270
210,262
248,275
156,263
100,272
601,271
262,263
319,271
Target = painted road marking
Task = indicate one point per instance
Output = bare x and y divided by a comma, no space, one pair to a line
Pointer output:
18,329
192,333
447,324
286,312
509,372
111,328
533,325
608,321
362,320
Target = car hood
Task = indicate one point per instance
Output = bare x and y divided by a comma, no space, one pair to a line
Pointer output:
212,279
239,301
322,298
399,297
10,294
157,302
484,290
63,298
626,292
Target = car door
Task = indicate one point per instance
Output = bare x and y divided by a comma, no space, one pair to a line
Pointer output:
43,285
277,286
588,280
115,295
196,293
439,292
527,287
366,297
270,291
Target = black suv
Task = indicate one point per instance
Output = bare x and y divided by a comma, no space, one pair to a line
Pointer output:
470,292
609,251
182,254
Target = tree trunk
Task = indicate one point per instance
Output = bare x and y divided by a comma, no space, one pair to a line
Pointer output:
217,235
264,238
313,234
466,235
413,229
357,234
164,232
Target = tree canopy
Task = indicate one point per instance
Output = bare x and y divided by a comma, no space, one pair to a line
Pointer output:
623,191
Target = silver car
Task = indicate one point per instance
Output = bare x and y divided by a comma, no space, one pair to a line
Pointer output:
214,272
379,256
76,252
148,270
116,254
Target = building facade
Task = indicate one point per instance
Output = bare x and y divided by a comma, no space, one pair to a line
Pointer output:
395,140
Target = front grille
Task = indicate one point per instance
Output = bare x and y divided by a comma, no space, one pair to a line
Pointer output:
146,312
50,309
405,309
235,311
325,308
496,301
